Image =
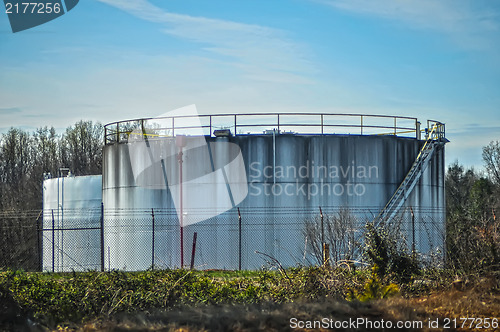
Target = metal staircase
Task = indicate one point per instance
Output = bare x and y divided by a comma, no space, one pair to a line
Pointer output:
435,139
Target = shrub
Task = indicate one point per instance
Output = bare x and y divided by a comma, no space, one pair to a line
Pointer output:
390,256
374,289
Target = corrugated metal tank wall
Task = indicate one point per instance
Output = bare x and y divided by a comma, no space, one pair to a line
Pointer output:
128,210
385,160
71,205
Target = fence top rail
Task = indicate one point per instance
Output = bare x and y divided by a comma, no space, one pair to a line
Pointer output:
267,123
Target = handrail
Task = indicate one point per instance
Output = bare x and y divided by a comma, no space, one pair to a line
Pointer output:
119,131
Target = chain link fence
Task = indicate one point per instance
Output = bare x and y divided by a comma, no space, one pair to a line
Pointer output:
246,238
20,240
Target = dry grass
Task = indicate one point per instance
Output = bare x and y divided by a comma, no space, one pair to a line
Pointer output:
263,317
481,300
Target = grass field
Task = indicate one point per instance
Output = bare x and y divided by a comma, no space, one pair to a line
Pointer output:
183,300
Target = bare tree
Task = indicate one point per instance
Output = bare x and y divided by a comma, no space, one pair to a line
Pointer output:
491,158
340,232
44,154
312,234
458,183
15,167
18,239
81,148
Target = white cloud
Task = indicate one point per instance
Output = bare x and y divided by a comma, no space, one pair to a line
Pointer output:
471,24
9,110
250,47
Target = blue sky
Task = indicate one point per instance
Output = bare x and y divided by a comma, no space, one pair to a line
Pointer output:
109,60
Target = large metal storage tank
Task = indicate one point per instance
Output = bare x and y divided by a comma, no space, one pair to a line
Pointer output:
285,171
71,223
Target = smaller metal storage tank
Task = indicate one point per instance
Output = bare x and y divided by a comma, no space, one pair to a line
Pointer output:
71,223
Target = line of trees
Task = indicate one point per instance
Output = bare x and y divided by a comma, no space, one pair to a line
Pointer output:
25,157
473,213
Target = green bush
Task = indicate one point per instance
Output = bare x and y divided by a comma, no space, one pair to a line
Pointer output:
391,257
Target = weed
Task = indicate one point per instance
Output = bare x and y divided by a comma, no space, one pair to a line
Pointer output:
374,289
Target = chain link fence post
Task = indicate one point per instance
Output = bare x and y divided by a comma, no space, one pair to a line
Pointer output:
193,251
39,242
102,237
53,241
153,239
239,240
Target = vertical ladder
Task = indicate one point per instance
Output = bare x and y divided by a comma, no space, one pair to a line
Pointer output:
414,174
